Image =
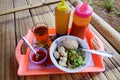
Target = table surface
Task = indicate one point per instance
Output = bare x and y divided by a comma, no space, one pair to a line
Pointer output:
15,25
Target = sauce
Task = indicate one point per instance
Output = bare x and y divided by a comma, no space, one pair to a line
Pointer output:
79,26
81,20
62,22
78,31
41,57
41,34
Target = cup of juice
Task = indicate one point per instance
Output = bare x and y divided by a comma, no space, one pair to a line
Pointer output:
40,31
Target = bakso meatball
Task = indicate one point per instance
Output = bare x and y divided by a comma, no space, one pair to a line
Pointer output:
70,44
61,50
56,55
62,63
64,59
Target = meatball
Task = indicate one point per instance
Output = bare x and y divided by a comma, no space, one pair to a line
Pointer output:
63,59
61,50
62,63
56,55
70,44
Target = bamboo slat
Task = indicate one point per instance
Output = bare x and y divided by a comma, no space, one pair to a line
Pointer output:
69,77
77,77
49,17
2,47
7,38
26,7
55,76
62,77
86,76
102,76
99,75
3,42
21,19
10,45
107,31
115,60
109,65
110,76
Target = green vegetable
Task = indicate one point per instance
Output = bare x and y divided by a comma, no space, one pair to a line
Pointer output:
75,58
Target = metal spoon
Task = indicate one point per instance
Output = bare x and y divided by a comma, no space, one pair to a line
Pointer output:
98,52
29,45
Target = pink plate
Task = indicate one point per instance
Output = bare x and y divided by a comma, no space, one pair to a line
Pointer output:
26,67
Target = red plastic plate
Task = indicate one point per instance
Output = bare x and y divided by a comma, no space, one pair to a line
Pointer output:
26,67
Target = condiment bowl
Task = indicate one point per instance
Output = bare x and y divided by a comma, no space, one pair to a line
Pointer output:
42,58
82,43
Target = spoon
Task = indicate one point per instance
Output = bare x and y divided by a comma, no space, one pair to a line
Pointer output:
29,45
98,52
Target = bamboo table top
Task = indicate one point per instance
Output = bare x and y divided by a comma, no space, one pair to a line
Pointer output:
15,25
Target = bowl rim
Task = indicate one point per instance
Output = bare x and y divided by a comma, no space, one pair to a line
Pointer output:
81,42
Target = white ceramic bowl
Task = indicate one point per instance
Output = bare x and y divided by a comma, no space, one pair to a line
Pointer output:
82,43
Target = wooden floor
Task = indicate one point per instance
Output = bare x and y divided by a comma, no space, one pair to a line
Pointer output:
15,25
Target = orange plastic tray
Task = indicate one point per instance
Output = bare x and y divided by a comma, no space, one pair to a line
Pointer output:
26,67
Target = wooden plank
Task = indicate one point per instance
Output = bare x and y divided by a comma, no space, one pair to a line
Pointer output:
69,77
10,70
72,12
48,16
115,60
63,77
2,41
40,13
37,77
2,47
52,7
7,27
77,77
55,76
107,31
98,76
116,73
28,7
86,76
22,18
108,64
109,72
110,76
23,22
101,76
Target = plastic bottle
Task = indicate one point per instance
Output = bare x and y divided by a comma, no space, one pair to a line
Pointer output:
81,19
62,15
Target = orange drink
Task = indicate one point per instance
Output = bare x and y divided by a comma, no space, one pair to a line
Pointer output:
40,31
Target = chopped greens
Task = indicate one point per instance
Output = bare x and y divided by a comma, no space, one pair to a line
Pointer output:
75,58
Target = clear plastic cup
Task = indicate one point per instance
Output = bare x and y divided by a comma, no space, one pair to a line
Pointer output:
40,31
